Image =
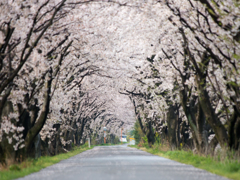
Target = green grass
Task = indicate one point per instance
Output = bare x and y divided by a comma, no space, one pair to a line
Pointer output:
33,165
108,144
227,168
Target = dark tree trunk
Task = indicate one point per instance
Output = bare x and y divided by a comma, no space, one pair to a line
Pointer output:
210,115
33,132
150,134
172,124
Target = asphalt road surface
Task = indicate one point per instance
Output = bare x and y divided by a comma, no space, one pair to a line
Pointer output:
120,163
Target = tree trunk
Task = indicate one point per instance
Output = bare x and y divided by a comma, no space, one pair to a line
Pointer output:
150,134
196,119
32,133
172,124
210,115
202,135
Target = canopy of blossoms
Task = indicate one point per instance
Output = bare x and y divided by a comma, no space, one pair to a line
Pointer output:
70,67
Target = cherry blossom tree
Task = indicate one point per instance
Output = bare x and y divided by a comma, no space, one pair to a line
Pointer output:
211,55
78,65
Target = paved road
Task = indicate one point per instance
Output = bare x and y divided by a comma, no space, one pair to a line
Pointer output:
120,163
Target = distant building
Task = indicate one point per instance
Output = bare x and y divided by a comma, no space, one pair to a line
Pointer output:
124,138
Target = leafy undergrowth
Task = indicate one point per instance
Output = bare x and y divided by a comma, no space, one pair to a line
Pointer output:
228,168
33,165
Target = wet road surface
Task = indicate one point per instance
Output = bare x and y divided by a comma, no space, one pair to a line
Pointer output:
120,163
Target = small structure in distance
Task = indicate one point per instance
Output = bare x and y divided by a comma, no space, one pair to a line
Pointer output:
123,138
132,141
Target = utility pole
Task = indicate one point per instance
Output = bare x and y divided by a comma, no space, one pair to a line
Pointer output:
104,131
89,139
89,143
121,134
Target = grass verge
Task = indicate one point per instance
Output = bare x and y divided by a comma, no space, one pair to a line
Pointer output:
33,165
227,168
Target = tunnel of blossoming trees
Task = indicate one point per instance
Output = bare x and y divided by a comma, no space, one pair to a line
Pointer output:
70,67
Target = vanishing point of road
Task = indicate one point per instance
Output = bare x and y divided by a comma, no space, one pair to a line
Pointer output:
120,163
